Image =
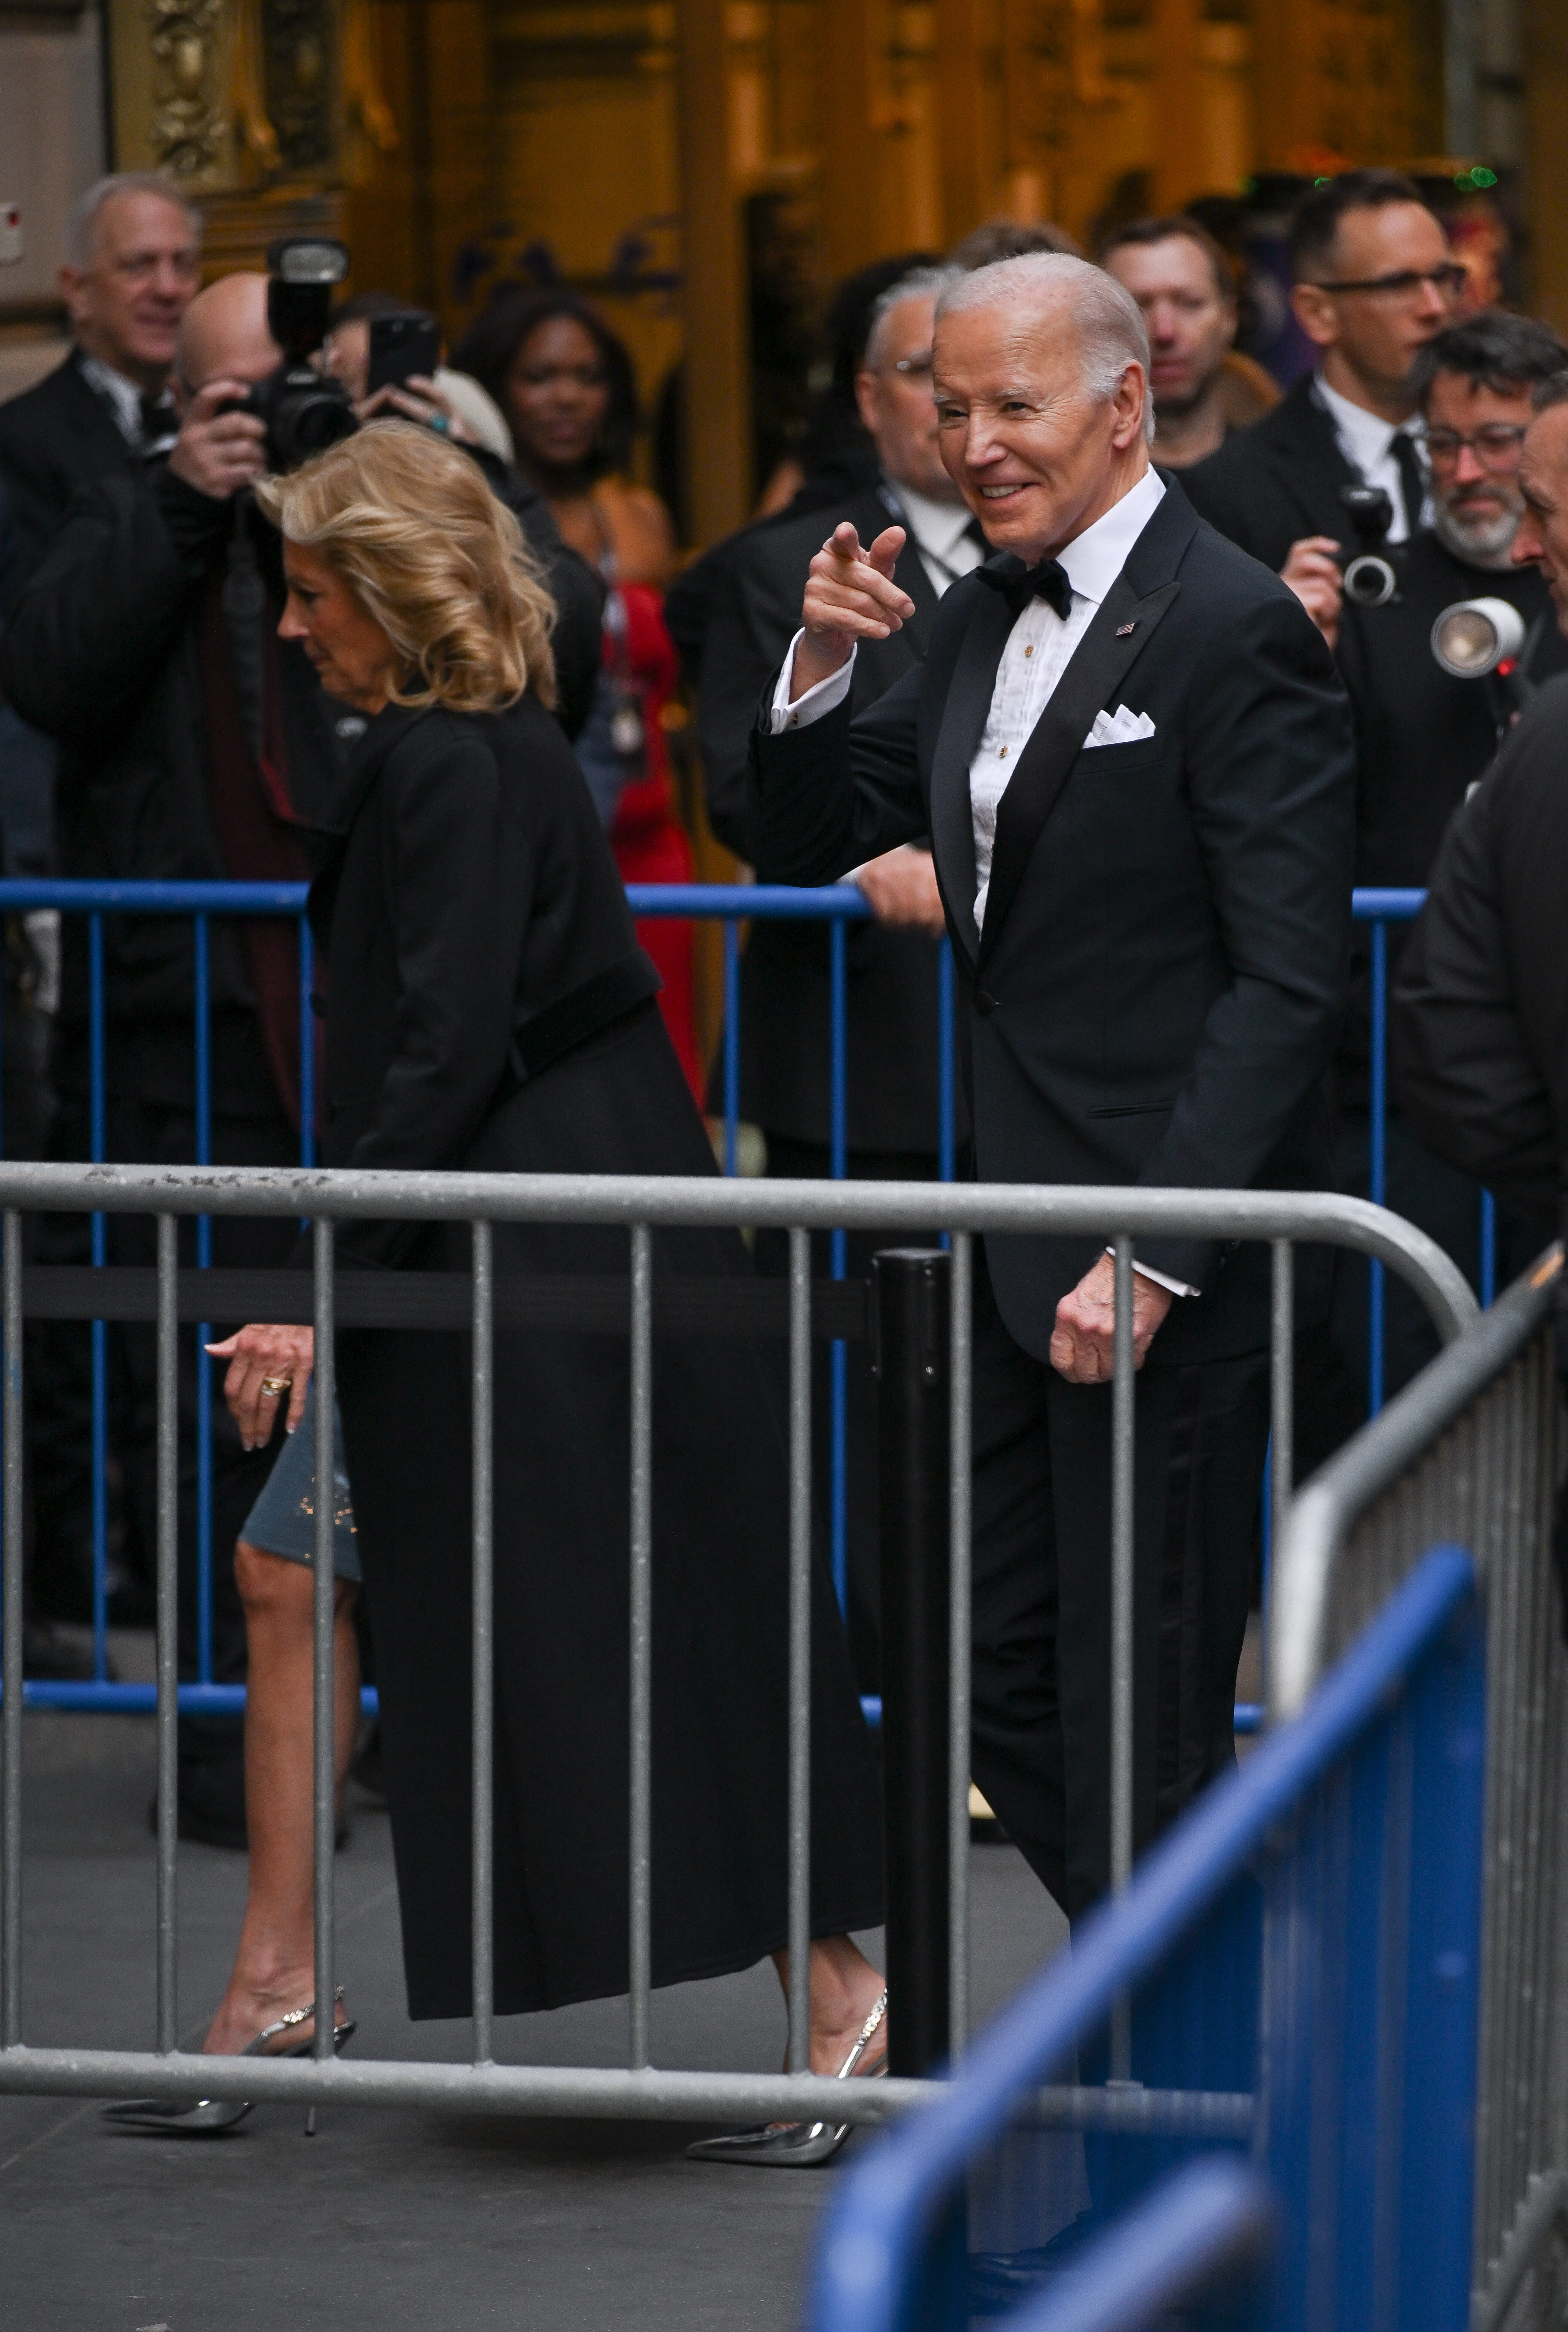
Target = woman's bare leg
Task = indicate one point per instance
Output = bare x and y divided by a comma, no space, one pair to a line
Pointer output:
274,1966
844,1989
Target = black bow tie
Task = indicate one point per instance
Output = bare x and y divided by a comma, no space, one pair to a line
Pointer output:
1019,583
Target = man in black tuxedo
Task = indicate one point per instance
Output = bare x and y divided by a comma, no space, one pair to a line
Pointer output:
1133,754
892,1043
1374,282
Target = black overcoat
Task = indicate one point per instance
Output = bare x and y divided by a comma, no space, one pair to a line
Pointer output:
469,890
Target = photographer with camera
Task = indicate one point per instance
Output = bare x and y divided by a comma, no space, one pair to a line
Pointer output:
1429,716
194,745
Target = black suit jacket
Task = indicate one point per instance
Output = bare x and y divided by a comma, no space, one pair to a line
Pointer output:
1158,989
55,437
1479,1029
1279,479
892,1047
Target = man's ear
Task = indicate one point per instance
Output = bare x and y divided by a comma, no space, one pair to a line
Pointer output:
1128,400
1314,311
70,282
867,400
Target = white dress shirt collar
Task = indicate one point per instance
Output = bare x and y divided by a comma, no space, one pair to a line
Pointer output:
123,395
1093,559
1365,437
935,526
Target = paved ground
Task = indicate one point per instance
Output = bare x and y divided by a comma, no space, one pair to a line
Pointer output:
386,2221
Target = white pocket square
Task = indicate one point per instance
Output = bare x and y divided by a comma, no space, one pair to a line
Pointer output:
1119,728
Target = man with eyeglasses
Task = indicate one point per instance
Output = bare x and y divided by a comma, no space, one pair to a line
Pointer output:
1374,282
1423,738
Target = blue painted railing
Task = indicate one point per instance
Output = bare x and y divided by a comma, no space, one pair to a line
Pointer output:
1299,1962
730,904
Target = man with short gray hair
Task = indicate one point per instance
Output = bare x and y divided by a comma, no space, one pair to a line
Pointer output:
1133,754
134,268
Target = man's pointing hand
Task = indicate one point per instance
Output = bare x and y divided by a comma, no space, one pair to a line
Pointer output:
850,595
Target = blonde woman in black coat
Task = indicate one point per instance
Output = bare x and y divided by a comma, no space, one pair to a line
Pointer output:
472,921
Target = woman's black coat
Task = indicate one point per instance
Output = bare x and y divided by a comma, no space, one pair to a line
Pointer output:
467,890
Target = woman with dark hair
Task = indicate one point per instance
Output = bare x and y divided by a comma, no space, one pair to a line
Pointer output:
565,383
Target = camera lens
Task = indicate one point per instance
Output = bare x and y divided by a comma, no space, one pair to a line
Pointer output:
1474,636
1370,581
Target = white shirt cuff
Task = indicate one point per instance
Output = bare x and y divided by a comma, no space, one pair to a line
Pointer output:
826,697
1160,1278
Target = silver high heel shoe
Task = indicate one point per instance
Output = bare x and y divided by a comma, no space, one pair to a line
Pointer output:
211,2117
794,2144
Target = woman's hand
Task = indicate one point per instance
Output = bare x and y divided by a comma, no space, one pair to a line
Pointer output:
418,399
258,1357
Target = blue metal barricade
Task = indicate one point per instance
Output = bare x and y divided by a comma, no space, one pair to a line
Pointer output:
1298,1964
731,906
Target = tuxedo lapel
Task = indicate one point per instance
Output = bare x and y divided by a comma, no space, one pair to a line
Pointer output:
1118,634
964,721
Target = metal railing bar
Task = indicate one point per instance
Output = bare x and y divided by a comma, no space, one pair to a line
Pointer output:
800,1753
640,1982
167,1633
961,1512
204,1256
324,1615
1123,1397
571,2092
1176,1882
483,1747
98,1143
1378,1162
731,1040
1326,1507
1543,2213
11,1558
1057,1208
1281,1471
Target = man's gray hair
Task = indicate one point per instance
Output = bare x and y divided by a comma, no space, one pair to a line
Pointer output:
82,234
920,283
1110,326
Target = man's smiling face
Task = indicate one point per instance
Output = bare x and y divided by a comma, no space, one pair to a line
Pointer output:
1035,456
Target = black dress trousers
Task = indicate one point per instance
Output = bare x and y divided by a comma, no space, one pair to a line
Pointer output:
1041,1748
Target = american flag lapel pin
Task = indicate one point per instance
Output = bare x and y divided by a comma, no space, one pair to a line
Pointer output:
1123,629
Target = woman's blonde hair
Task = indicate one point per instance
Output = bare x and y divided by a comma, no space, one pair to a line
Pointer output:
411,525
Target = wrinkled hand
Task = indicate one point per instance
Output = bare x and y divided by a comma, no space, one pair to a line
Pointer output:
418,399
850,595
218,452
1315,576
1083,1349
900,887
257,1352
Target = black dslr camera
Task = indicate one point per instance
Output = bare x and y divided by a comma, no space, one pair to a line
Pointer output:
304,410
1369,579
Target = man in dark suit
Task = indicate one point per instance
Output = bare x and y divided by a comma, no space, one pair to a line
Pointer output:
1423,738
1374,282
892,1045
1132,755
135,267
1480,1025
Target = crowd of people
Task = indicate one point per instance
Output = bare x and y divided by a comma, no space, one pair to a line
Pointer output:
1044,636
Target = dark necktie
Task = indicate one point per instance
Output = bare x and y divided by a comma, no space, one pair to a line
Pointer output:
1412,478
1019,583
157,421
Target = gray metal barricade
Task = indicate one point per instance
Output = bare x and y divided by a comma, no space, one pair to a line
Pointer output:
1471,1452
1281,1218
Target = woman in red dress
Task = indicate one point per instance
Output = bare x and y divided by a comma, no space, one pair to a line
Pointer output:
565,383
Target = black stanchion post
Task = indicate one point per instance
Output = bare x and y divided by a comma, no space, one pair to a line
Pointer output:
911,1298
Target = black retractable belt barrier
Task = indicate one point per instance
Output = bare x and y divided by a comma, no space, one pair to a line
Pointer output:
910,1295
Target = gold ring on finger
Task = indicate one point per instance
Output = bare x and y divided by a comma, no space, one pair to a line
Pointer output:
275,1387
